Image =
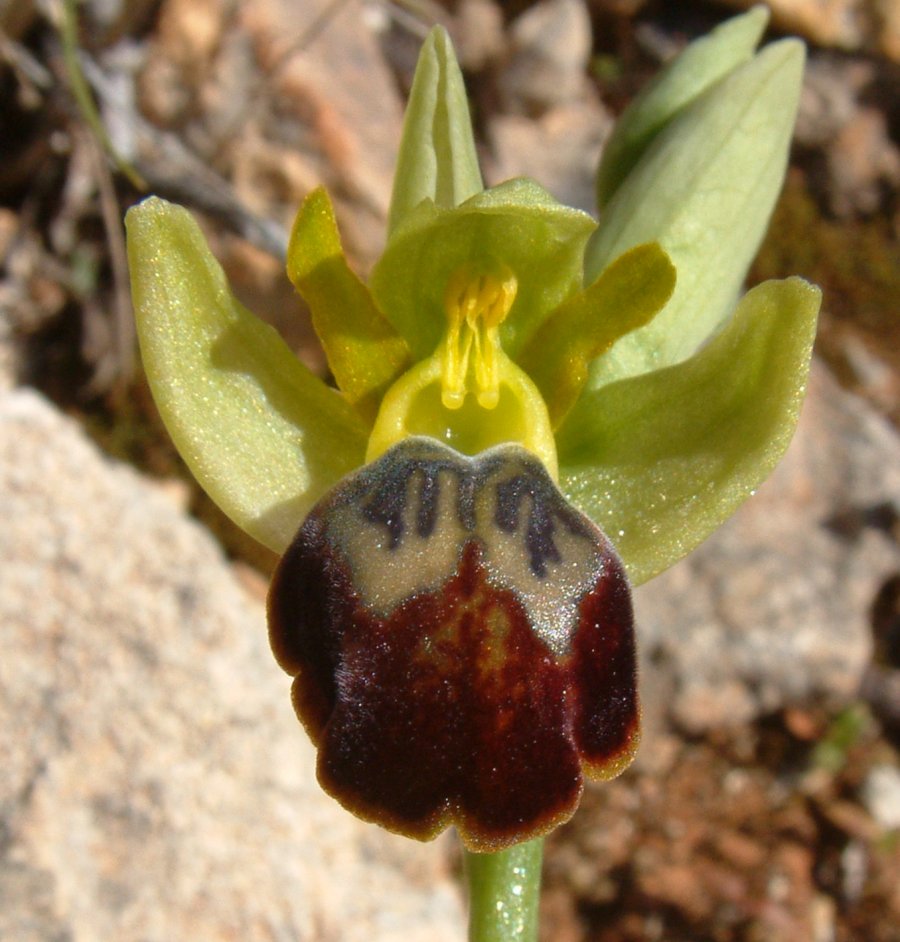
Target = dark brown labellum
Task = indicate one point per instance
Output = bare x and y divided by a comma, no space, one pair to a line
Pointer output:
462,644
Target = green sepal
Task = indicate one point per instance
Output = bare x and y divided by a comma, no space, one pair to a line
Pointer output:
660,460
626,296
364,352
437,158
704,190
696,68
517,224
263,436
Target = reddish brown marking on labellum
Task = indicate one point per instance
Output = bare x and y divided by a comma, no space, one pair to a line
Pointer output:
462,645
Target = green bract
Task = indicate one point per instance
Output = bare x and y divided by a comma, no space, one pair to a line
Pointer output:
615,352
704,188
702,64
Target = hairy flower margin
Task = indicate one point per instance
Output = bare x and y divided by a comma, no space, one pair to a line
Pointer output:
605,371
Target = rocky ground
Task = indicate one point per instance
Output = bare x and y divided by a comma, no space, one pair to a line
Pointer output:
156,785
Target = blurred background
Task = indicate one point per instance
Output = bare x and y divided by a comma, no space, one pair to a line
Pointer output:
157,784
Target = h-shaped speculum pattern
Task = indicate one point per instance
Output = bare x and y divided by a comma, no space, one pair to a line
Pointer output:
462,644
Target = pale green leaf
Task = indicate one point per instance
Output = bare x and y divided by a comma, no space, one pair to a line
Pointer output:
660,460
437,158
704,190
364,352
699,66
262,435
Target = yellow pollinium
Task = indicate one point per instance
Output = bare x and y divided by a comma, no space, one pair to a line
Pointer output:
468,393
476,305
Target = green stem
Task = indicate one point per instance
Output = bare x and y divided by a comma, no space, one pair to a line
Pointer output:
504,891
68,29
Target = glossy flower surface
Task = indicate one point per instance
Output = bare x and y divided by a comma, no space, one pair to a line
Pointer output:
460,655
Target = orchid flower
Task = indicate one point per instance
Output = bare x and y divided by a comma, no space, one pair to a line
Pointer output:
530,412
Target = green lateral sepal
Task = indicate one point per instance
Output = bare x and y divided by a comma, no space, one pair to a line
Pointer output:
263,436
662,459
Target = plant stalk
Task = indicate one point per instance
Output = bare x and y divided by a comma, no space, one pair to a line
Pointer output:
504,892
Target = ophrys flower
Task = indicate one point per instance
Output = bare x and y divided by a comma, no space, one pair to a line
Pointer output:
459,627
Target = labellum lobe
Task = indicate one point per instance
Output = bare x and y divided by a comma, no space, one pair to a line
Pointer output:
462,644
